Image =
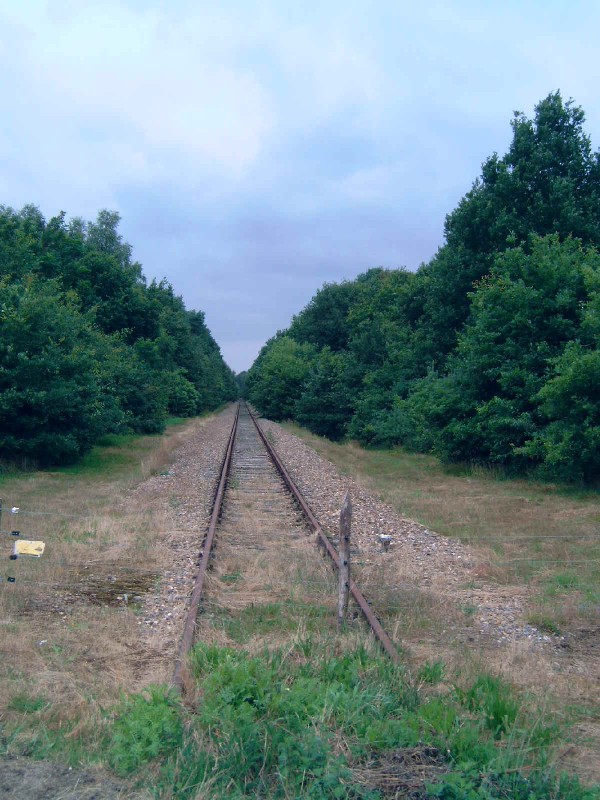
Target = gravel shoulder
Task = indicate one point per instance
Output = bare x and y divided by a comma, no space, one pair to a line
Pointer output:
185,494
417,558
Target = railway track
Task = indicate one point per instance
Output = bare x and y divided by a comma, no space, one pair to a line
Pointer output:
264,575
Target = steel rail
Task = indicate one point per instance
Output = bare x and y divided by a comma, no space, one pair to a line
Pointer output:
358,596
178,680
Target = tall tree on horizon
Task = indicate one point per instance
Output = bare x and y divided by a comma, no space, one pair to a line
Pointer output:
547,183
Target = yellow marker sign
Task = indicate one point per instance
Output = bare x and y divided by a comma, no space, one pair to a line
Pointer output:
25,548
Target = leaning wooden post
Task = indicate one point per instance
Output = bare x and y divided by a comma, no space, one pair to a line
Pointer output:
344,556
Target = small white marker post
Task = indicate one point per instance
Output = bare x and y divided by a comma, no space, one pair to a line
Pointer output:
344,556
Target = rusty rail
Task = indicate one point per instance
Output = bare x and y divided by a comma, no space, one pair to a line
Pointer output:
190,621
178,680
358,596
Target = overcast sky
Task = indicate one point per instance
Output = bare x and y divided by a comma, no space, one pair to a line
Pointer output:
256,150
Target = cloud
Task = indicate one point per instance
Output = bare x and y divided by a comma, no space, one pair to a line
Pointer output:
137,90
255,150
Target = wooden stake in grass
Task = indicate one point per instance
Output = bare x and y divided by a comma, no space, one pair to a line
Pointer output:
344,556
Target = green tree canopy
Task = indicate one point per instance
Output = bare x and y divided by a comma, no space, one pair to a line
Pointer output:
548,182
278,380
87,347
489,352
53,405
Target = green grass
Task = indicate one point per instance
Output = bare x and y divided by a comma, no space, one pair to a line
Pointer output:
545,623
562,582
118,453
432,672
27,704
284,724
112,456
270,618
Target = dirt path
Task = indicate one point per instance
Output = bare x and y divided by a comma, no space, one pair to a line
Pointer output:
24,779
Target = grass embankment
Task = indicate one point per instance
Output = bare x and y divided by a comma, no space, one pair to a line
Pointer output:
534,534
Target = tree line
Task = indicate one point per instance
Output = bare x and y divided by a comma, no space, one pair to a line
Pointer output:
488,353
87,346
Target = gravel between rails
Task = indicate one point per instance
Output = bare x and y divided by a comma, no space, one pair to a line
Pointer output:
417,556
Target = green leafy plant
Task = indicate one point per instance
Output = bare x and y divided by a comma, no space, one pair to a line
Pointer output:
432,672
147,726
495,700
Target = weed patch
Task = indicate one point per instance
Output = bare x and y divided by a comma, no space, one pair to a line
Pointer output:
147,725
351,725
27,704
432,672
261,619
280,726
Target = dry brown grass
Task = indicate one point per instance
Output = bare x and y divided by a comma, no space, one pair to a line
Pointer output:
68,635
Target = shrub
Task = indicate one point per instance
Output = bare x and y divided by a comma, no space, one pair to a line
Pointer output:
53,405
148,725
